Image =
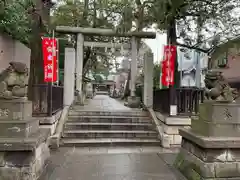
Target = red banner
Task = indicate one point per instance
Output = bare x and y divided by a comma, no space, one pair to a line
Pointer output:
168,65
50,64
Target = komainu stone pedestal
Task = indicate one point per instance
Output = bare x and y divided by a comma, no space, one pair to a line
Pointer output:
79,99
134,102
210,150
23,147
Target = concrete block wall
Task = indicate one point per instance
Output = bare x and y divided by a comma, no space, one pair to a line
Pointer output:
168,128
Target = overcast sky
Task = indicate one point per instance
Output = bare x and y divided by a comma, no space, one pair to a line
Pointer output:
157,44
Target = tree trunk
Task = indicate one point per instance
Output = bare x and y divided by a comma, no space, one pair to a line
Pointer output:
139,21
38,95
85,12
36,62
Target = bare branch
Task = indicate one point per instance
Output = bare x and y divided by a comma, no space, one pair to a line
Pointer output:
192,47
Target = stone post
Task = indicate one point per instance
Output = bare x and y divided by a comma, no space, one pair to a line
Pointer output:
69,77
133,101
79,65
133,65
148,79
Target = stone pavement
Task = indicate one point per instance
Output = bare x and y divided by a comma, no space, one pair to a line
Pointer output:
104,103
111,164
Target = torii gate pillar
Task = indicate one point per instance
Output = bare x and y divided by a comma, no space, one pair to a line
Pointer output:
79,67
133,101
133,65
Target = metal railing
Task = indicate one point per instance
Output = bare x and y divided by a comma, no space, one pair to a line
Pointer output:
187,100
57,99
48,99
161,100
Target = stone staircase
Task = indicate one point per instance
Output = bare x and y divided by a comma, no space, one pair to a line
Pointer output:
102,93
102,128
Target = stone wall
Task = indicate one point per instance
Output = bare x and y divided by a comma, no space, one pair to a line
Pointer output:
23,165
168,128
12,50
197,162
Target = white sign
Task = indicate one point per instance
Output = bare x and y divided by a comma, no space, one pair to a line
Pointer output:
173,110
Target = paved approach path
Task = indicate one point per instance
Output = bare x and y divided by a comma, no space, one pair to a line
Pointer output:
110,164
104,103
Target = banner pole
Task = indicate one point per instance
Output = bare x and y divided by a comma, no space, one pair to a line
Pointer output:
50,84
181,65
53,54
160,66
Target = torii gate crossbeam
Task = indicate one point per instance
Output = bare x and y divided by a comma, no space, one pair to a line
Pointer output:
104,32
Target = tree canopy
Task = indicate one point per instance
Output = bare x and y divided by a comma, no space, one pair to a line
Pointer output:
15,21
200,24
197,24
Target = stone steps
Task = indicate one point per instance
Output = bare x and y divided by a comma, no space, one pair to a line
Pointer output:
102,128
110,142
109,134
102,92
108,126
108,119
79,112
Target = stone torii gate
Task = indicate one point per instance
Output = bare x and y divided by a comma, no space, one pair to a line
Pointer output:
80,32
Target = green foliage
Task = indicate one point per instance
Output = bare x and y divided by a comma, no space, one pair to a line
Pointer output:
89,14
68,14
98,78
15,19
101,67
197,21
62,45
198,24
77,13
212,17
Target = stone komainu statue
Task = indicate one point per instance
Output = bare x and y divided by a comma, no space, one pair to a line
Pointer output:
217,88
13,81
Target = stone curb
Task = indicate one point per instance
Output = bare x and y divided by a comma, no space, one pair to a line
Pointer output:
158,128
54,140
